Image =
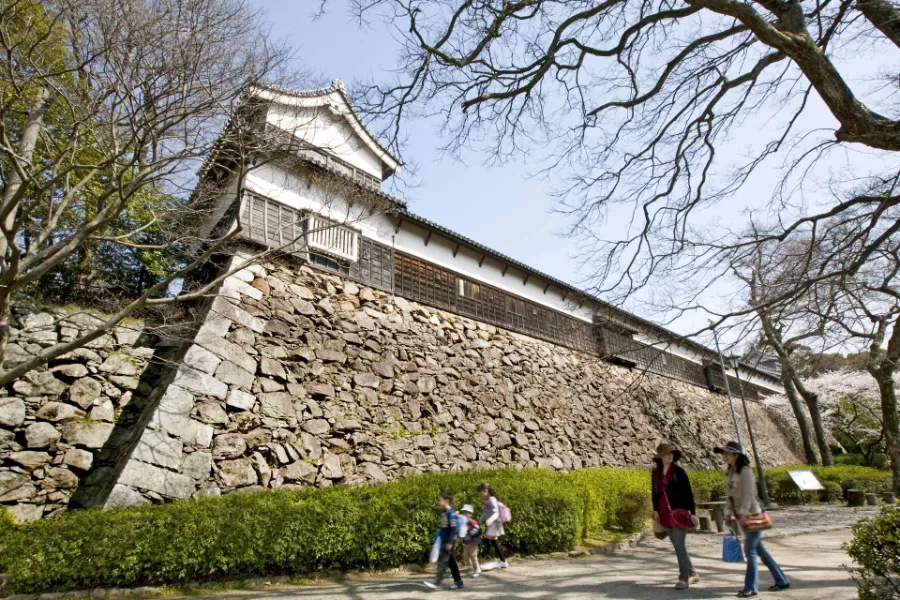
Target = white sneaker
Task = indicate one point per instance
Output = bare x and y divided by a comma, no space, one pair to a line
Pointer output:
504,565
430,585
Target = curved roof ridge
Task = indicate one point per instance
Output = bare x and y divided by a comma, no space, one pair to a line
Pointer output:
337,85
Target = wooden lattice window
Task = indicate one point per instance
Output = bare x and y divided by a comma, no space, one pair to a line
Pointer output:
417,280
273,224
375,266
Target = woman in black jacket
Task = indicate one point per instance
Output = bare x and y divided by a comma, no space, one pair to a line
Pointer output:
671,492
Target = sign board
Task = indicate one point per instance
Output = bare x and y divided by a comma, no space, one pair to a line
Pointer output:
806,481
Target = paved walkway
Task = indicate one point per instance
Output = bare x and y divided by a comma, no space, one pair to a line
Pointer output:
814,561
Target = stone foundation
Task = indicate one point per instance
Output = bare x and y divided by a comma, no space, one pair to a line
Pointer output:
298,378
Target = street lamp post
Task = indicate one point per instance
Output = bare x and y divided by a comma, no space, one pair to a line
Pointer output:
763,488
737,429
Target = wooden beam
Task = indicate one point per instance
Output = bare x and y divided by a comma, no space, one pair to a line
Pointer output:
505,267
546,287
399,225
527,277
428,238
481,262
455,250
565,295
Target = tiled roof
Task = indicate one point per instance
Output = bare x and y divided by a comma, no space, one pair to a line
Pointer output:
336,86
670,335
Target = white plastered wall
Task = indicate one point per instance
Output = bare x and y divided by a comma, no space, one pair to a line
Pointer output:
329,130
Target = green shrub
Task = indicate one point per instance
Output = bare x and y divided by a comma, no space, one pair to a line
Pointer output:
875,549
7,526
298,531
633,511
831,493
603,490
279,532
782,488
708,485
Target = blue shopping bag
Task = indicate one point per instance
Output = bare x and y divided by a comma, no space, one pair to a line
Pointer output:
731,549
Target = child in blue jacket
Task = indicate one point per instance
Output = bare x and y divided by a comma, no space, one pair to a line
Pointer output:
448,535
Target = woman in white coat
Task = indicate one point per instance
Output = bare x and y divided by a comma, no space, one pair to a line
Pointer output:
490,522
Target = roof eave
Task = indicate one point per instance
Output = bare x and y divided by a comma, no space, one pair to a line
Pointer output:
674,337
390,163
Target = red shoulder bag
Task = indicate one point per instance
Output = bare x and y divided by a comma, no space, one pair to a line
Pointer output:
682,519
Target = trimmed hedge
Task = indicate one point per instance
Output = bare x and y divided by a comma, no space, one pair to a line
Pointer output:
294,531
710,485
289,531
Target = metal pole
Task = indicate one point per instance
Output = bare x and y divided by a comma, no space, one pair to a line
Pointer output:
761,479
737,430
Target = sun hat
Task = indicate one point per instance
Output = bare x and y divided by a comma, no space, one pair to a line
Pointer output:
729,448
467,508
666,448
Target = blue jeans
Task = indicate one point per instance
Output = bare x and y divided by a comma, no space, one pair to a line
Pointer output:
753,548
685,568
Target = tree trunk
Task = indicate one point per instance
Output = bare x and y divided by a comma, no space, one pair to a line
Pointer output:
802,424
815,415
884,378
10,202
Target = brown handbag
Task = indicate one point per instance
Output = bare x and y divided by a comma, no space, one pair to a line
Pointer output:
758,522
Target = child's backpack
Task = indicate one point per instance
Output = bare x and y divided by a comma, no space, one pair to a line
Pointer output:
505,514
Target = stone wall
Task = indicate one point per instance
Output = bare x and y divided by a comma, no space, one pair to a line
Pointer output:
55,422
298,378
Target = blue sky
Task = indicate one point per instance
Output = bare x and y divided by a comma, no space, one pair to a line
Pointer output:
499,207
503,207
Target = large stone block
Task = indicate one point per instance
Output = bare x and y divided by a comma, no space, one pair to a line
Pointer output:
59,412
198,465
123,496
200,382
41,435
89,435
241,400
120,364
183,427
78,459
272,368
40,383
25,513
317,426
231,374
156,479
237,473
229,445
29,459
301,471
12,412
212,412
201,359
222,307
277,405
226,349
367,380
84,391
331,467
10,482
61,479
157,448
233,287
